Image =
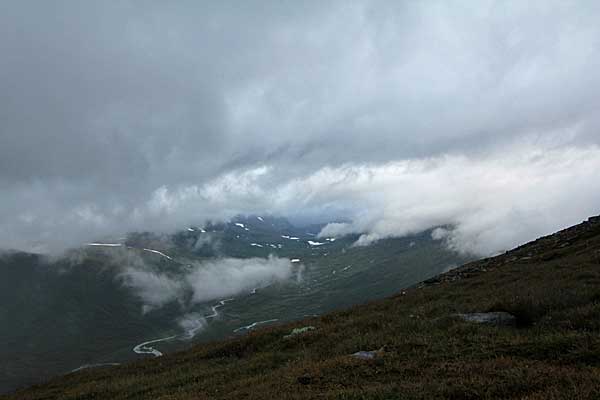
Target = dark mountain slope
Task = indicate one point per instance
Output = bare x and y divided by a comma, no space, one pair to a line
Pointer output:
551,286
60,314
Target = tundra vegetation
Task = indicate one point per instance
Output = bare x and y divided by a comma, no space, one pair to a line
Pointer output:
422,348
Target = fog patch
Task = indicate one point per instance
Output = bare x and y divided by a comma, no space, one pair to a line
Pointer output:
229,276
205,281
440,233
207,241
155,289
192,324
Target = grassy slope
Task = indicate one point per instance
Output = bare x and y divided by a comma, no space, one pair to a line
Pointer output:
551,285
87,316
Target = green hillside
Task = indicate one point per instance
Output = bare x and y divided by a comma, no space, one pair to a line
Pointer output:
424,348
58,315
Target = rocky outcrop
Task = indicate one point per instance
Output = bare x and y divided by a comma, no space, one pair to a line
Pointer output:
500,318
369,355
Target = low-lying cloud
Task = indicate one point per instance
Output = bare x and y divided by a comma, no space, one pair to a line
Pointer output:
155,289
230,276
191,324
491,201
206,281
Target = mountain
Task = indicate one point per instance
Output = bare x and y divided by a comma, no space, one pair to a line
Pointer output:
99,304
424,342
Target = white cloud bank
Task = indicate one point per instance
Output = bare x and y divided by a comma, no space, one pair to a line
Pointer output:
493,201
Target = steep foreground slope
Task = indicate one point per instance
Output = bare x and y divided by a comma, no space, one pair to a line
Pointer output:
551,286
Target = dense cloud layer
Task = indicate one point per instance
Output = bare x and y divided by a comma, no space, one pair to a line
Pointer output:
398,116
491,203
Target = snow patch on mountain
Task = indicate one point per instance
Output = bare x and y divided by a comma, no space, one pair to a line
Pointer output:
290,237
159,253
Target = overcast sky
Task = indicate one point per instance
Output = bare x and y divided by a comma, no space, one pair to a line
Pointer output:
396,116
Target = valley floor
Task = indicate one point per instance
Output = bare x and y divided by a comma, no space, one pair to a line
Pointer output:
424,350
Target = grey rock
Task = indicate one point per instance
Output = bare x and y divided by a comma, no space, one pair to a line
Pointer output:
493,318
299,331
365,355
370,355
